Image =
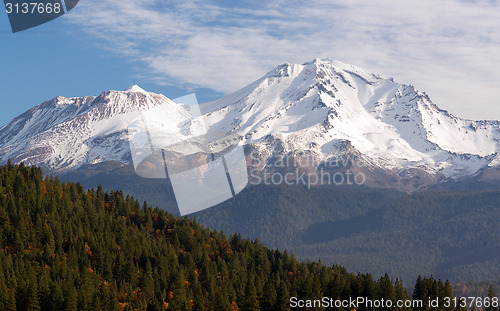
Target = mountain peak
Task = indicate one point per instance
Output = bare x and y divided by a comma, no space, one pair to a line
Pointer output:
329,62
135,88
312,107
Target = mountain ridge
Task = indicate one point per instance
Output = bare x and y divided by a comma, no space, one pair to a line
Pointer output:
324,108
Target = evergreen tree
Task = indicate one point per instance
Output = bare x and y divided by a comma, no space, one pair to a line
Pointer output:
445,292
148,283
401,293
250,300
282,297
420,293
180,300
71,298
269,297
386,290
222,302
32,301
491,295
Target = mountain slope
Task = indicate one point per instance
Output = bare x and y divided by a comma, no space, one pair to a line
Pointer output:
317,105
323,109
64,133
70,249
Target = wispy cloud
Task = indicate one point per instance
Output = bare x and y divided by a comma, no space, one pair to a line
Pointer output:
450,48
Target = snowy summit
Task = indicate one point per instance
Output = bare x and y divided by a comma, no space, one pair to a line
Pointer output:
135,88
323,107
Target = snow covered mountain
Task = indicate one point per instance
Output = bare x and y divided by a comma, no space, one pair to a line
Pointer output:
64,133
323,108
327,107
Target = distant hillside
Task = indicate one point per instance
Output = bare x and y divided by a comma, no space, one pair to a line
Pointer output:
449,234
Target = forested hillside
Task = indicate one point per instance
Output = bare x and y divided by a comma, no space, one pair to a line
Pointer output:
64,248
451,234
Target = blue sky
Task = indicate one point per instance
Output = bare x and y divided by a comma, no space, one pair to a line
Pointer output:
449,49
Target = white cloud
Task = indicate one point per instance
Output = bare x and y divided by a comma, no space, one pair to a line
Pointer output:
450,48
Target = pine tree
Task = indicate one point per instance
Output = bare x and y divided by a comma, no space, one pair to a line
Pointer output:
491,295
283,297
222,302
368,286
180,300
386,290
32,302
147,282
71,298
44,291
445,292
56,297
269,297
4,294
420,293
250,301
401,293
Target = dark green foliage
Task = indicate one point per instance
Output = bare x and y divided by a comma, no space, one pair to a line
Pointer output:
64,248
427,289
452,235
447,233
